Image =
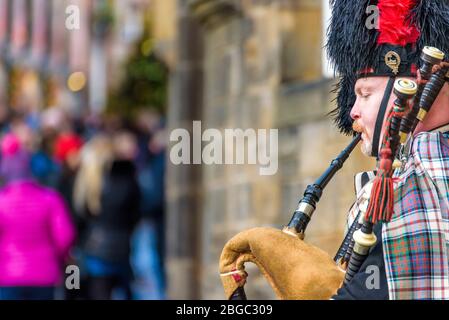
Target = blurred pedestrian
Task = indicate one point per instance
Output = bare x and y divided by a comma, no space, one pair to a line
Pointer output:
36,232
67,153
107,191
93,158
43,165
148,242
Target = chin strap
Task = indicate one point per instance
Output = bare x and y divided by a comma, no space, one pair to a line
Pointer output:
381,116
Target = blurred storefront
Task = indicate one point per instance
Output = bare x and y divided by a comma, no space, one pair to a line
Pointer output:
64,53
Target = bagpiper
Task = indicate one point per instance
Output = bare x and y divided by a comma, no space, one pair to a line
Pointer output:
393,92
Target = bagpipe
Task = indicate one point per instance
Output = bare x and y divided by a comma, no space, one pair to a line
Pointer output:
297,270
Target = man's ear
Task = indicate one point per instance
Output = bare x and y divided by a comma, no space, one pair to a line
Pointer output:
442,101
438,114
445,90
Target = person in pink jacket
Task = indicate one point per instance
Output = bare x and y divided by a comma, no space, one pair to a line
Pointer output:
36,231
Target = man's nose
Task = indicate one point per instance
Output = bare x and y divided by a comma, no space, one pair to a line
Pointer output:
355,112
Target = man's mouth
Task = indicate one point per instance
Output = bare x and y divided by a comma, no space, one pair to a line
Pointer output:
357,127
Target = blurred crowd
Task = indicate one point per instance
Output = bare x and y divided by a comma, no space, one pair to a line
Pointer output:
85,192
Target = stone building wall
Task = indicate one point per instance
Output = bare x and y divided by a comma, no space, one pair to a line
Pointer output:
182,49
241,79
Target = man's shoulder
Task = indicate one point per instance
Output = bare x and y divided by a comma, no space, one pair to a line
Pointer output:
429,157
431,146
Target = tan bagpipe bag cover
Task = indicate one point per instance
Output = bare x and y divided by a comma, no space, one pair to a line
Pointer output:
294,269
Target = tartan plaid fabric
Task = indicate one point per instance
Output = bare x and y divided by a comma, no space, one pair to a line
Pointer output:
416,240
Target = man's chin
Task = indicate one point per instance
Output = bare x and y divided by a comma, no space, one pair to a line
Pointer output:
366,149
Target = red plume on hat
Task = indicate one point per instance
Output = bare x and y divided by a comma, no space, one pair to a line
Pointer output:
395,26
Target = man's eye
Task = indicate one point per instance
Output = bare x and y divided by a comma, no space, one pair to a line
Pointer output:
365,96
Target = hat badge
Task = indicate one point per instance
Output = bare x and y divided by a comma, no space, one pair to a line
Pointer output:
393,61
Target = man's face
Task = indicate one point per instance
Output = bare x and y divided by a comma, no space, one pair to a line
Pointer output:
369,92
